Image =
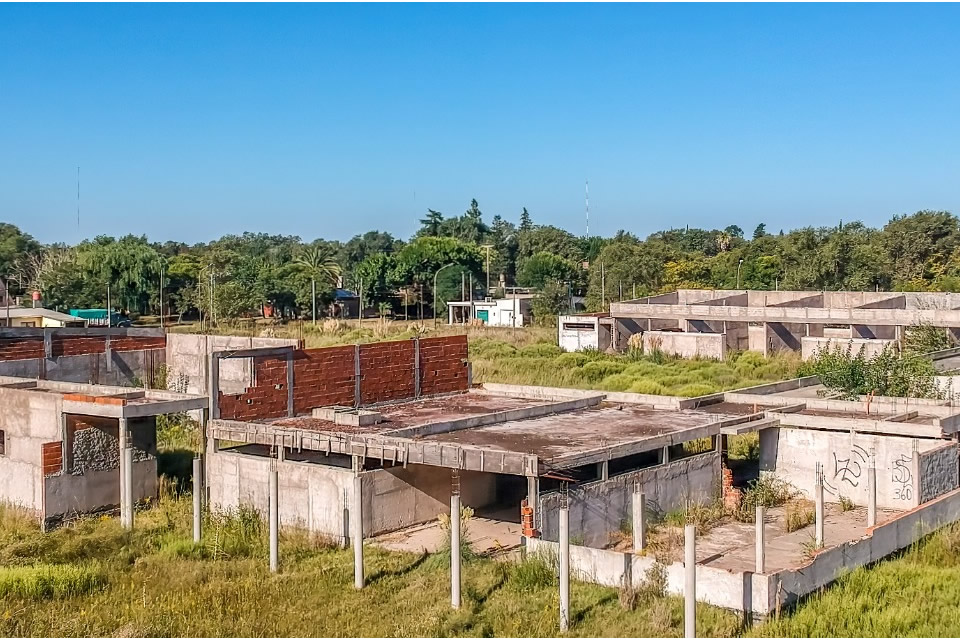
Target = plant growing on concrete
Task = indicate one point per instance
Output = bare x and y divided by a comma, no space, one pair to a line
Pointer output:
767,490
884,374
799,514
846,504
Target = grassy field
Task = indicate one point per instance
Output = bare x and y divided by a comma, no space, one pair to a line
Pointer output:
98,580
531,356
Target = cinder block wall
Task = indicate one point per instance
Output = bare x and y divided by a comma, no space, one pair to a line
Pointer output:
324,377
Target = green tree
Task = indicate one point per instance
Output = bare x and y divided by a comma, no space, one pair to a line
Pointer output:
544,267
430,225
526,223
760,231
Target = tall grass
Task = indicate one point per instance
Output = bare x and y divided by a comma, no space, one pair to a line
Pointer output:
42,581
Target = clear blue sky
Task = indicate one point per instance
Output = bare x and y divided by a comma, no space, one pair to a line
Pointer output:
192,121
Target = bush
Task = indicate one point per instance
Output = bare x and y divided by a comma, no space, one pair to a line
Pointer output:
744,447
572,359
695,389
884,374
767,490
42,581
541,350
536,571
490,349
647,386
600,369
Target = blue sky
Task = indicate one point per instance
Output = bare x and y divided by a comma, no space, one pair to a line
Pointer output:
192,121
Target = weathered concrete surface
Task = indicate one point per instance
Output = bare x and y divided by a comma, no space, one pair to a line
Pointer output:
68,495
599,509
938,471
809,346
575,333
687,345
28,420
791,455
188,358
486,535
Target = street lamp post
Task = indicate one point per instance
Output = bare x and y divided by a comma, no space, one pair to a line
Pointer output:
435,291
740,264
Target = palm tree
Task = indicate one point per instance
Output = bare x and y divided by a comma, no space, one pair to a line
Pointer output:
317,262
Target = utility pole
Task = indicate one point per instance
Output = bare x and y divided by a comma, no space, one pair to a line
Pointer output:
161,297
109,308
313,290
488,247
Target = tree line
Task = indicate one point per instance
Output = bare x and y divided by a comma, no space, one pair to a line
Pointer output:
244,274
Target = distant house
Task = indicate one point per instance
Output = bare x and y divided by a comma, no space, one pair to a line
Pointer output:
37,317
505,312
346,304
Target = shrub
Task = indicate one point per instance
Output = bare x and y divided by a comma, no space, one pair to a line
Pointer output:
767,490
541,350
236,533
799,514
572,359
695,389
645,385
491,349
42,581
536,571
600,369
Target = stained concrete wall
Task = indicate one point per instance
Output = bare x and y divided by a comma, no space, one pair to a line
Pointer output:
598,509
397,497
312,496
127,368
188,355
67,495
871,347
791,454
938,471
687,345
28,420
574,334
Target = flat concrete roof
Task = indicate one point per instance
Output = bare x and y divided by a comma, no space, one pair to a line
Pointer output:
108,401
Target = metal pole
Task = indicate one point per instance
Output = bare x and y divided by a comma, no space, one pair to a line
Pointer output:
123,437
313,289
639,521
197,498
356,523
455,550
274,519
690,581
488,273
564,567
161,297
360,305
760,539
872,493
109,313
603,289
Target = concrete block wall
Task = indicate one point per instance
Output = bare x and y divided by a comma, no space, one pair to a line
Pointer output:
29,421
598,508
324,377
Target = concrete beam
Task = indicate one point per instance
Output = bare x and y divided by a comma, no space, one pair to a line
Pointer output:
599,454
830,423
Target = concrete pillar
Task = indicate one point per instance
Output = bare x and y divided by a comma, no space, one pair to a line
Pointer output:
603,470
455,550
564,568
126,479
533,497
197,498
690,581
666,455
761,540
274,520
356,523
639,521
915,469
818,500
872,493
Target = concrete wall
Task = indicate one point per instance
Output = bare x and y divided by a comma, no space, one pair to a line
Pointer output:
575,333
938,471
792,455
395,497
871,347
687,345
598,508
67,495
312,496
188,354
28,420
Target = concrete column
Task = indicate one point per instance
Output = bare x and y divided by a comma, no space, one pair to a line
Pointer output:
356,523
603,470
126,507
872,493
274,520
761,540
639,521
564,568
127,482
690,581
455,550
915,469
818,499
666,455
197,498
533,497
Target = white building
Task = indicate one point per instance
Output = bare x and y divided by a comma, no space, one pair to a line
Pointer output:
505,312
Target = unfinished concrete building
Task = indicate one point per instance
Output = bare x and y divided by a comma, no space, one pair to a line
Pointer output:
709,323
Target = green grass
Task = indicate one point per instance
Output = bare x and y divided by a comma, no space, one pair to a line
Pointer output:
915,595
156,582
543,363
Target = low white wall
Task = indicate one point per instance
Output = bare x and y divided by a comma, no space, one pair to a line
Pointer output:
810,345
687,345
598,508
792,453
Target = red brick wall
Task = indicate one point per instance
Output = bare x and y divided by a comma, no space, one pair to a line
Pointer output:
30,348
52,456
21,348
443,365
324,377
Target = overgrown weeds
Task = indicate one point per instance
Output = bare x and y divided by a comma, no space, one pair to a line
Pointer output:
799,514
41,581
